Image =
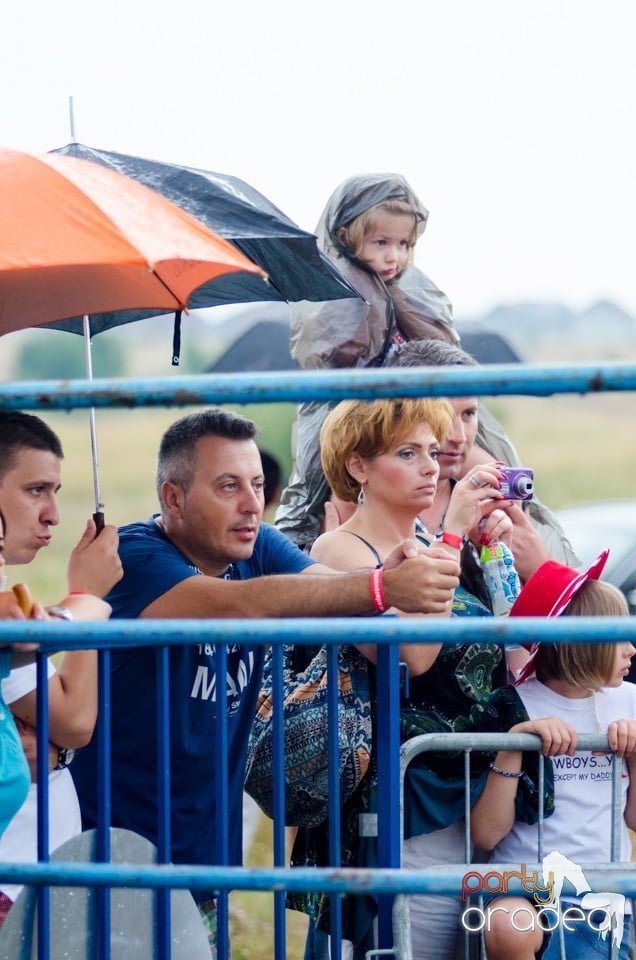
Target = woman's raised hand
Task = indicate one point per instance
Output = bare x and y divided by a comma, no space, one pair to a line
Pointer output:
474,497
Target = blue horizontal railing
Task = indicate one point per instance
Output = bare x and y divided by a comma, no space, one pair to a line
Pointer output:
443,880
368,384
330,631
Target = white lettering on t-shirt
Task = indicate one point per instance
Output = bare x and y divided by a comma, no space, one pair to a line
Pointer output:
583,767
237,679
201,688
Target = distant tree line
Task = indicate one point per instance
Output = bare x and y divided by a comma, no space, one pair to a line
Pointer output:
56,355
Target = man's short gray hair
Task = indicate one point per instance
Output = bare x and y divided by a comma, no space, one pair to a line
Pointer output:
431,353
177,451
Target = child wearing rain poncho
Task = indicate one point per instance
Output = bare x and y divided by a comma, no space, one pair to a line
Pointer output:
358,333
369,229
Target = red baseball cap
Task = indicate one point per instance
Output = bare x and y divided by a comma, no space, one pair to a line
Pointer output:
547,594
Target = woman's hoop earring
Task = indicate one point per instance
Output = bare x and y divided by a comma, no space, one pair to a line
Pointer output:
361,497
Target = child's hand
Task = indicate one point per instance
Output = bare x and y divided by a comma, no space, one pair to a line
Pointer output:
336,512
10,608
622,737
332,518
558,737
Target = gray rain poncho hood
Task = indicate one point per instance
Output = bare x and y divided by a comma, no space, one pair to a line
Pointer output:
359,333
357,195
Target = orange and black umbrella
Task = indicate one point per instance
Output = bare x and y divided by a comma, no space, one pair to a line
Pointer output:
78,239
295,266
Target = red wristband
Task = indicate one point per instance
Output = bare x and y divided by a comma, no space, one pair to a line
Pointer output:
377,590
452,540
78,593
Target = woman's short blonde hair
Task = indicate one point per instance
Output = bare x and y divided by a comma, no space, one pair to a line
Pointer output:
354,234
371,427
587,665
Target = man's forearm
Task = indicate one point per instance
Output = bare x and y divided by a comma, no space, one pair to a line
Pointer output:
418,585
289,595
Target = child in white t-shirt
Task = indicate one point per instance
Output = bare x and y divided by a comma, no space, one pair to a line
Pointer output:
19,843
567,689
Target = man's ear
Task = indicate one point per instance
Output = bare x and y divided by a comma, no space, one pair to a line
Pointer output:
173,499
356,468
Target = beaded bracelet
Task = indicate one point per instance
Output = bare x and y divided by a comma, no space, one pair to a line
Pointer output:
506,773
377,590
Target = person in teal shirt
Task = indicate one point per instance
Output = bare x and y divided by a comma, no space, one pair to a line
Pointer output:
15,778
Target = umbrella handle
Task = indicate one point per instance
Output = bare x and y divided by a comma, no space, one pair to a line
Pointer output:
98,517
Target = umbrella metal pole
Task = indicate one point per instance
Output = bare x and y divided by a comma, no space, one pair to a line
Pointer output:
98,516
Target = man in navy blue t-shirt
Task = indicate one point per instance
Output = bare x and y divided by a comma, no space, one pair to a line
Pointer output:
206,555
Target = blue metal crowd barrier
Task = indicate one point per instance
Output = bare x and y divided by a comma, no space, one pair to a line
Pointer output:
387,880
469,744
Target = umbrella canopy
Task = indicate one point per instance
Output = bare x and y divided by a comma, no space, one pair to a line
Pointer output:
296,268
78,239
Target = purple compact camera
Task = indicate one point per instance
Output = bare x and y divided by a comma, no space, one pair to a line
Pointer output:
517,483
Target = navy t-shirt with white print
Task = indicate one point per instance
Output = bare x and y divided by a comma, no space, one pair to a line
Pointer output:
152,566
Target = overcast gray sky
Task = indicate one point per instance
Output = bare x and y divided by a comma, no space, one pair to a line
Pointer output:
515,122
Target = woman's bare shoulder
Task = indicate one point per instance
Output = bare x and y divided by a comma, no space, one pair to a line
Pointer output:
341,550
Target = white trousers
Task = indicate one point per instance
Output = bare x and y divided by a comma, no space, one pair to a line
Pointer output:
435,920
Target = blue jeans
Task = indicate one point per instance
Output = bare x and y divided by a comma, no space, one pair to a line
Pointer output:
584,943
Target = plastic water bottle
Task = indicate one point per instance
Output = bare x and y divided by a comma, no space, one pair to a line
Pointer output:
502,580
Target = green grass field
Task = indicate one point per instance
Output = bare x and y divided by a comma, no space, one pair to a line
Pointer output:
251,912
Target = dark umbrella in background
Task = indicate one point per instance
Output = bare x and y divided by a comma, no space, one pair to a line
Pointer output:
487,346
295,267
263,347
259,340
